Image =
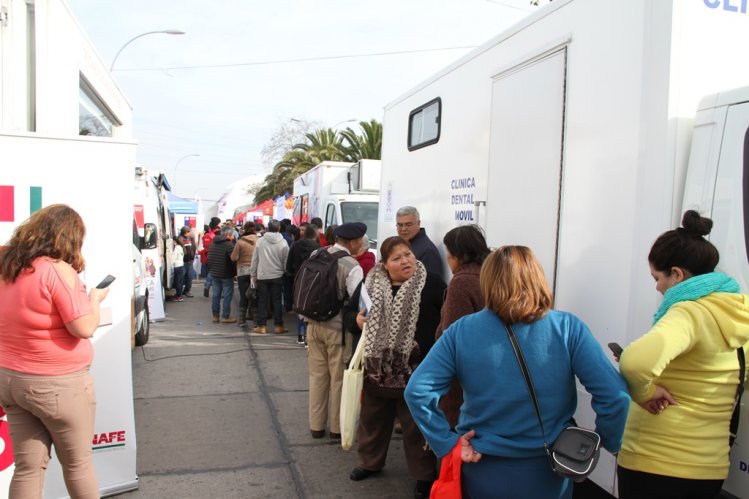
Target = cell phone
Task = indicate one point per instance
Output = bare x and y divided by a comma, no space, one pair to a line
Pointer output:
106,281
616,348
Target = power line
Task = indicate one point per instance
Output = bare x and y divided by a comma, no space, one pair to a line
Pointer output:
288,61
503,4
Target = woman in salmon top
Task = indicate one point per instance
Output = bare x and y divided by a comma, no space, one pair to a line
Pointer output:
46,319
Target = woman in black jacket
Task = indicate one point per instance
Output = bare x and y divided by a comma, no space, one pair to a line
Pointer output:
405,312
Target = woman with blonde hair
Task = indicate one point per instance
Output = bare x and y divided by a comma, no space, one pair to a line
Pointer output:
502,446
47,318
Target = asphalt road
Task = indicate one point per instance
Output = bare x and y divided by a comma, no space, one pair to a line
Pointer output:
222,413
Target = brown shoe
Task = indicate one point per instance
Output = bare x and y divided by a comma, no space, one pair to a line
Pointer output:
215,318
280,329
229,320
317,433
259,330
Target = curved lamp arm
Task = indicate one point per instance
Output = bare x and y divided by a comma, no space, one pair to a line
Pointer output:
163,31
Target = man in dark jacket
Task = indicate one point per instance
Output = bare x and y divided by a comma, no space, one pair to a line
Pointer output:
298,253
222,269
408,223
213,230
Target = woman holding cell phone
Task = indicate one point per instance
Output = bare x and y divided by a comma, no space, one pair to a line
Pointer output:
47,317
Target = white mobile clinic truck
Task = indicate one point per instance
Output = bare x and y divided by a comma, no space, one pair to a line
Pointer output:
584,132
339,193
66,137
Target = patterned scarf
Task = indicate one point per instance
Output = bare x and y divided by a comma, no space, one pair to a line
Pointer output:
695,288
391,326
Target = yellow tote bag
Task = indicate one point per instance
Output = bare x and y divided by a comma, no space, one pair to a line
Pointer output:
351,394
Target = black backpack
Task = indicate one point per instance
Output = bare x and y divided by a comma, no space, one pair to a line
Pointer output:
316,286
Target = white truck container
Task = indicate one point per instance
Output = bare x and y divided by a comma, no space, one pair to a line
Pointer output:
571,133
154,226
339,193
66,137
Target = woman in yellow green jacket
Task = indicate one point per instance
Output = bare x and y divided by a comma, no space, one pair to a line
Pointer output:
683,373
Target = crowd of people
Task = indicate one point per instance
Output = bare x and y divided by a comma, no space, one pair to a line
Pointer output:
438,357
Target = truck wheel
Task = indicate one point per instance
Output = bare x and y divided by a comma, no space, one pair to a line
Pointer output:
141,337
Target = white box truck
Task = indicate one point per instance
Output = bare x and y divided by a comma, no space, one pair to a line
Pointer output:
583,133
338,193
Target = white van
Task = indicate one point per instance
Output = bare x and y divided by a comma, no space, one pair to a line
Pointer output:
155,227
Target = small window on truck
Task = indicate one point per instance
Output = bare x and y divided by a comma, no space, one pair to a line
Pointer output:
424,124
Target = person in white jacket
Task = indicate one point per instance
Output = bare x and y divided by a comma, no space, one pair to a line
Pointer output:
266,271
178,264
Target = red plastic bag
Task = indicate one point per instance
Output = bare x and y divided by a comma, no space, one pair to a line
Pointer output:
447,485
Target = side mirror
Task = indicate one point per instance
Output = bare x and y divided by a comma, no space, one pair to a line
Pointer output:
149,239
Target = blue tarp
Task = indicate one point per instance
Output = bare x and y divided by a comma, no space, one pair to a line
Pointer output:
181,205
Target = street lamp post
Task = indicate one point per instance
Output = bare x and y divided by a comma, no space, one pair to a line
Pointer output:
163,31
342,122
177,165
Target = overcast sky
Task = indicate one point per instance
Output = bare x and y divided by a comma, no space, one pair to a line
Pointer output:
213,92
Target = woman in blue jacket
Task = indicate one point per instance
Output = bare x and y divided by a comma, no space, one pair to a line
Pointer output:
501,444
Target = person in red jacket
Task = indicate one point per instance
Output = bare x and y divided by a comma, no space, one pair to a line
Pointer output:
214,227
365,257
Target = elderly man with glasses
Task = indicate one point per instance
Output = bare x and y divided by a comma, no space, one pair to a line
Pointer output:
408,223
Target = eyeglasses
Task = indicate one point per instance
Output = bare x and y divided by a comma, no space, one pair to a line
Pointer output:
406,225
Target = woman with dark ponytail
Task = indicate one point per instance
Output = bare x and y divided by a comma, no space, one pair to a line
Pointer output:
466,250
684,372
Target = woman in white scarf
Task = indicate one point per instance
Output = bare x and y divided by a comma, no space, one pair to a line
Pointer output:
405,312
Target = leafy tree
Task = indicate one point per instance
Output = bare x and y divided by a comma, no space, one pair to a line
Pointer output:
283,139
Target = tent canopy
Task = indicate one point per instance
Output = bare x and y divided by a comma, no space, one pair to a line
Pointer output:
264,208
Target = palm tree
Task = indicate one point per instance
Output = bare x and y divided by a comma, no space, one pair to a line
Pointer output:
368,145
324,144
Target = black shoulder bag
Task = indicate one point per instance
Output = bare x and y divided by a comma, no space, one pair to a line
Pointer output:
575,452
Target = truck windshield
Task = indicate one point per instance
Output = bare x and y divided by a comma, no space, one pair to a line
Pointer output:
365,212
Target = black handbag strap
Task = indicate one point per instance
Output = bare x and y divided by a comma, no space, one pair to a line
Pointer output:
734,428
528,380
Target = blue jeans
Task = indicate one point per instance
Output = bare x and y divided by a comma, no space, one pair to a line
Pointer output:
269,289
188,277
225,288
301,326
179,280
208,280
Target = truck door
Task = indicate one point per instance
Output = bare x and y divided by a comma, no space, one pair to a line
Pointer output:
730,208
526,157
730,234
330,216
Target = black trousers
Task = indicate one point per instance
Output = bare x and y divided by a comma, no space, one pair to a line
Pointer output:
642,485
269,290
